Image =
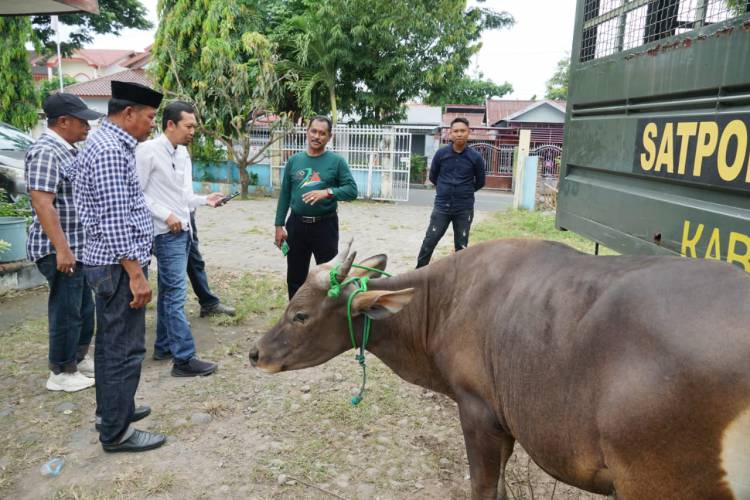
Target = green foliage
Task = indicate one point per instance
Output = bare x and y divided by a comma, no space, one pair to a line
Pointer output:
19,208
113,17
418,169
49,86
204,148
211,54
369,58
738,7
469,90
19,100
557,86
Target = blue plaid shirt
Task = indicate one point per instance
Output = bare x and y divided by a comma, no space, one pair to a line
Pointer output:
45,162
109,200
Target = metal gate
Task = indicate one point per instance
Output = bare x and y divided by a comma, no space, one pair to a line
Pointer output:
378,156
498,164
549,159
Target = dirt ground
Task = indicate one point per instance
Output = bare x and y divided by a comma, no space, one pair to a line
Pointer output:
240,433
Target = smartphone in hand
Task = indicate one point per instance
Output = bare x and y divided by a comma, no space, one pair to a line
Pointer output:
227,198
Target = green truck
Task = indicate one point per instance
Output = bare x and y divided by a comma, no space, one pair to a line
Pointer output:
656,157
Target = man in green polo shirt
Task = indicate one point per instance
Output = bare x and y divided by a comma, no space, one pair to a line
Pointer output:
314,180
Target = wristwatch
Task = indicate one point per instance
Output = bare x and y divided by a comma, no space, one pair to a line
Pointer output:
330,192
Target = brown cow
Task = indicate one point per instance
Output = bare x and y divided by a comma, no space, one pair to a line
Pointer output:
616,374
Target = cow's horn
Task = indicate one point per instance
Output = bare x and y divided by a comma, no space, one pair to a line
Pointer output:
345,267
341,257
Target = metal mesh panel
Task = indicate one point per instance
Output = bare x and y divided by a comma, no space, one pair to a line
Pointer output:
379,157
611,26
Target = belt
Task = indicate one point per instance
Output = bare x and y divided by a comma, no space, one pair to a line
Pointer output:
307,219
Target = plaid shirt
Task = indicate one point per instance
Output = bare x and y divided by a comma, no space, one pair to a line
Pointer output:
109,200
45,162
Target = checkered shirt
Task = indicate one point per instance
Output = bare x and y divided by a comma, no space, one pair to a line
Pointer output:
45,162
109,201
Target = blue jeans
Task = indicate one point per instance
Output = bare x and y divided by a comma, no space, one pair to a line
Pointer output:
119,348
196,270
70,311
172,328
439,222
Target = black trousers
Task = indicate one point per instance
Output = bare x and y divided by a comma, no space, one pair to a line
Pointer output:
439,222
119,348
319,239
196,269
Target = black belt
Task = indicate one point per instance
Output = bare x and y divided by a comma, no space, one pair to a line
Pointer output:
307,219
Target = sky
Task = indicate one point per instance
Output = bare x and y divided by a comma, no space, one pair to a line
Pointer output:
525,55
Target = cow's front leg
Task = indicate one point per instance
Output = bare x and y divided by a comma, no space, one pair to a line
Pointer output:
487,446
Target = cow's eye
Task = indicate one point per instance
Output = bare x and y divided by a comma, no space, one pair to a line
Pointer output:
301,317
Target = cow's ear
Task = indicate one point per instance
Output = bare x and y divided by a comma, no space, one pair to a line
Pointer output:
374,262
379,304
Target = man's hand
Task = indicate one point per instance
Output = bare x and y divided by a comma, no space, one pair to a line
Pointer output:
141,291
139,286
312,197
175,224
214,199
280,236
66,261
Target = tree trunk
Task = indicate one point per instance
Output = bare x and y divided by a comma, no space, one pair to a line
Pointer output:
244,180
332,93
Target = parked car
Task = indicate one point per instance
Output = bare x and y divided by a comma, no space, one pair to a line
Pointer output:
13,146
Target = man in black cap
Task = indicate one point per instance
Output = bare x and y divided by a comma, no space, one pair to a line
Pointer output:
55,242
119,234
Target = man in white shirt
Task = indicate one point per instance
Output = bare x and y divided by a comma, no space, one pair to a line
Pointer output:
165,175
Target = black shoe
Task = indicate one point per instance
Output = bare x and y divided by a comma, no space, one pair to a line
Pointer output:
138,441
194,367
140,413
217,309
161,356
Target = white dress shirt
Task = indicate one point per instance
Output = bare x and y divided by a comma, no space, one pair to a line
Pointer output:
165,174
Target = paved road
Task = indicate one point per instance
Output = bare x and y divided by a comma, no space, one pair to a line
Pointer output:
486,200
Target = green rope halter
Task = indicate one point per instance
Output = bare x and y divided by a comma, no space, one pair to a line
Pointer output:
334,292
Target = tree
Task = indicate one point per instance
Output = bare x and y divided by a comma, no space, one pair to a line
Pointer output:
557,86
19,99
381,54
113,17
317,51
208,54
49,86
470,90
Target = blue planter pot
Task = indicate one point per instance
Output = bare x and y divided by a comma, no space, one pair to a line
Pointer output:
13,231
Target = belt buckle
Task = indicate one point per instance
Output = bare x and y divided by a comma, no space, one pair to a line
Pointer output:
309,219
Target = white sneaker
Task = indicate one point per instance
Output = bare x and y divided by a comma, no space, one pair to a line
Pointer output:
68,382
86,367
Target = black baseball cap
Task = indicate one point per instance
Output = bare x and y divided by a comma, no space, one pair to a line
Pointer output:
60,104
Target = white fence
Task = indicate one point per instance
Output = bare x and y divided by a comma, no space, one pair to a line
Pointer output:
379,158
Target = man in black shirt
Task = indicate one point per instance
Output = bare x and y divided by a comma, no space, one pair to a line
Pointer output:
457,172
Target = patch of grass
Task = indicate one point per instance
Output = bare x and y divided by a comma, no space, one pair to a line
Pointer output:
255,230
524,224
123,486
254,294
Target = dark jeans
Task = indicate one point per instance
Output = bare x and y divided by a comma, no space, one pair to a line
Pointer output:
119,348
196,269
172,328
320,239
70,310
438,225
